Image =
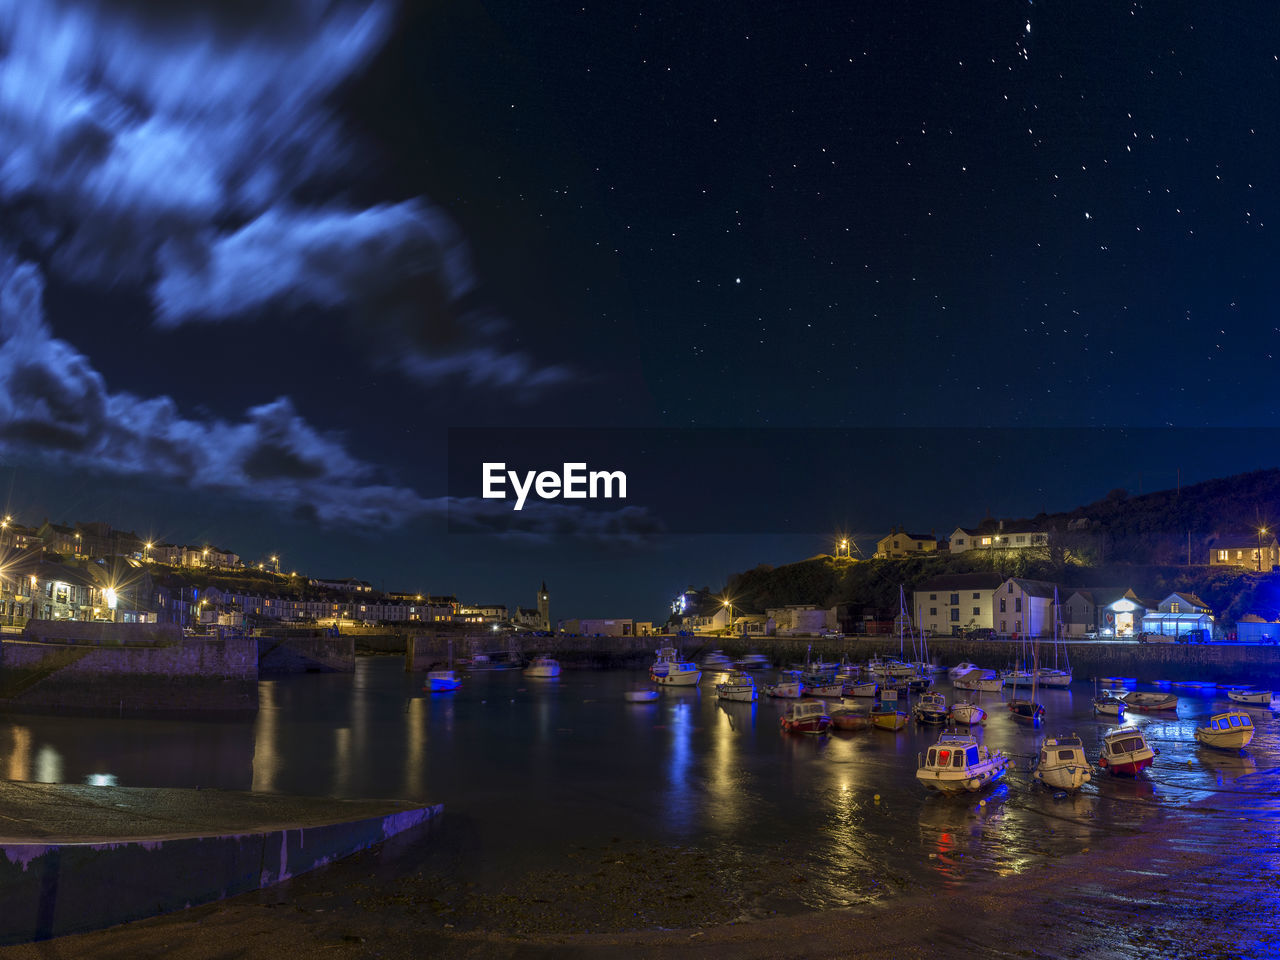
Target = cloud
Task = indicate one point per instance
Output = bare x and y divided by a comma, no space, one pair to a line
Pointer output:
56,407
190,150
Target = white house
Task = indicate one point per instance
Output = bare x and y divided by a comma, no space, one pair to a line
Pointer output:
1003,535
951,605
1023,607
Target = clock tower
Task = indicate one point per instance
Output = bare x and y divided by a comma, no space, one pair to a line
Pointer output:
544,607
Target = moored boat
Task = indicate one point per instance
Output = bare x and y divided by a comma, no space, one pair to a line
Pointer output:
960,669
868,689
1124,751
670,670
442,681
545,667
824,685
740,687
930,708
1053,678
957,763
969,714
847,716
1232,730
987,681
806,716
1105,705
885,715
788,685
1258,697
1062,763
1135,700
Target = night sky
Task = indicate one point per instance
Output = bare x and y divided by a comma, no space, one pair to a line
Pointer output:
259,258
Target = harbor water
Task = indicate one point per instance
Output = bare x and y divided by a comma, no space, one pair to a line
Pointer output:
684,812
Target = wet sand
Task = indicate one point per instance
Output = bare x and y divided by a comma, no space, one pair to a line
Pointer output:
1169,892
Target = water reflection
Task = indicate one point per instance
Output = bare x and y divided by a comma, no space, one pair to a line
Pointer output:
19,753
266,760
678,806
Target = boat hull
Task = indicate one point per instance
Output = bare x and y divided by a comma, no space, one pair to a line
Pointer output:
982,684
964,780
810,725
676,678
1126,768
861,689
967,713
790,691
1109,709
1151,703
1069,778
1235,739
889,721
1026,711
823,689
738,693
1259,697
850,721
1054,680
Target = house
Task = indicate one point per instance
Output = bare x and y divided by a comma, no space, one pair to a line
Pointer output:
1023,607
754,625
717,620
952,605
899,543
801,619
1253,551
347,585
999,535
1102,611
604,628
1180,614
483,612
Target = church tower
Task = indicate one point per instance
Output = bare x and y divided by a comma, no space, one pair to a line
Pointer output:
544,607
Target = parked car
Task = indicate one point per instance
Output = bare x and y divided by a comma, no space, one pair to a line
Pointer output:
1155,638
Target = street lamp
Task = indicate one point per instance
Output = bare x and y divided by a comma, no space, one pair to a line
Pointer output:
729,604
1261,531
147,554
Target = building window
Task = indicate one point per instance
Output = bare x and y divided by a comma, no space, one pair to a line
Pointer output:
1009,588
1002,627
1002,602
986,541
1017,604
977,596
955,614
933,596
959,541
977,611
1020,539
933,611
955,598
1173,607
1017,626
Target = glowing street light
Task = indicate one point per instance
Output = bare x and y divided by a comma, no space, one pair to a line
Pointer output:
729,605
1261,531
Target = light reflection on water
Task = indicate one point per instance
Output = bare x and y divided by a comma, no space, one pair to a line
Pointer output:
685,771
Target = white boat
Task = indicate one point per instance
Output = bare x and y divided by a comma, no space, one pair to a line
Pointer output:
825,686
640,696
1124,751
669,670
807,716
1014,678
1135,700
1063,764
789,687
957,763
1232,730
1105,705
441,681
988,681
1054,678
1261,697
960,669
740,687
545,667
868,689
969,714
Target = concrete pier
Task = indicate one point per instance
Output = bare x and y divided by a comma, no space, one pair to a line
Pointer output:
76,858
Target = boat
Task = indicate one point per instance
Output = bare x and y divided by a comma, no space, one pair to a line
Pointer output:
1054,678
716,660
640,696
670,670
1013,678
1028,709
969,714
1262,697
740,687
822,685
987,681
930,708
848,716
1232,730
806,716
788,685
957,763
1124,751
1146,702
960,669
885,714
441,681
545,667
868,689
1063,765
1106,705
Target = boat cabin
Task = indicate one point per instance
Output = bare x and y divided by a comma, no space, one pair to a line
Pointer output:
807,709
1124,742
953,750
1229,721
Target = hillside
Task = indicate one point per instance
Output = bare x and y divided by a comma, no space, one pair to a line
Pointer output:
1139,542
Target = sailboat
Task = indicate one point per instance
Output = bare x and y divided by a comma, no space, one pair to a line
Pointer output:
1056,677
1028,710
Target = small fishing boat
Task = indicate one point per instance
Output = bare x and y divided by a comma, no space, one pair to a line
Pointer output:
1053,678
1105,705
1259,697
1124,751
788,685
868,689
848,716
885,715
640,696
442,681
545,667
1146,702
921,681
930,708
1232,730
988,681
960,669
1013,678
1027,709
1063,764
957,763
740,687
825,685
806,716
969,714
670,670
